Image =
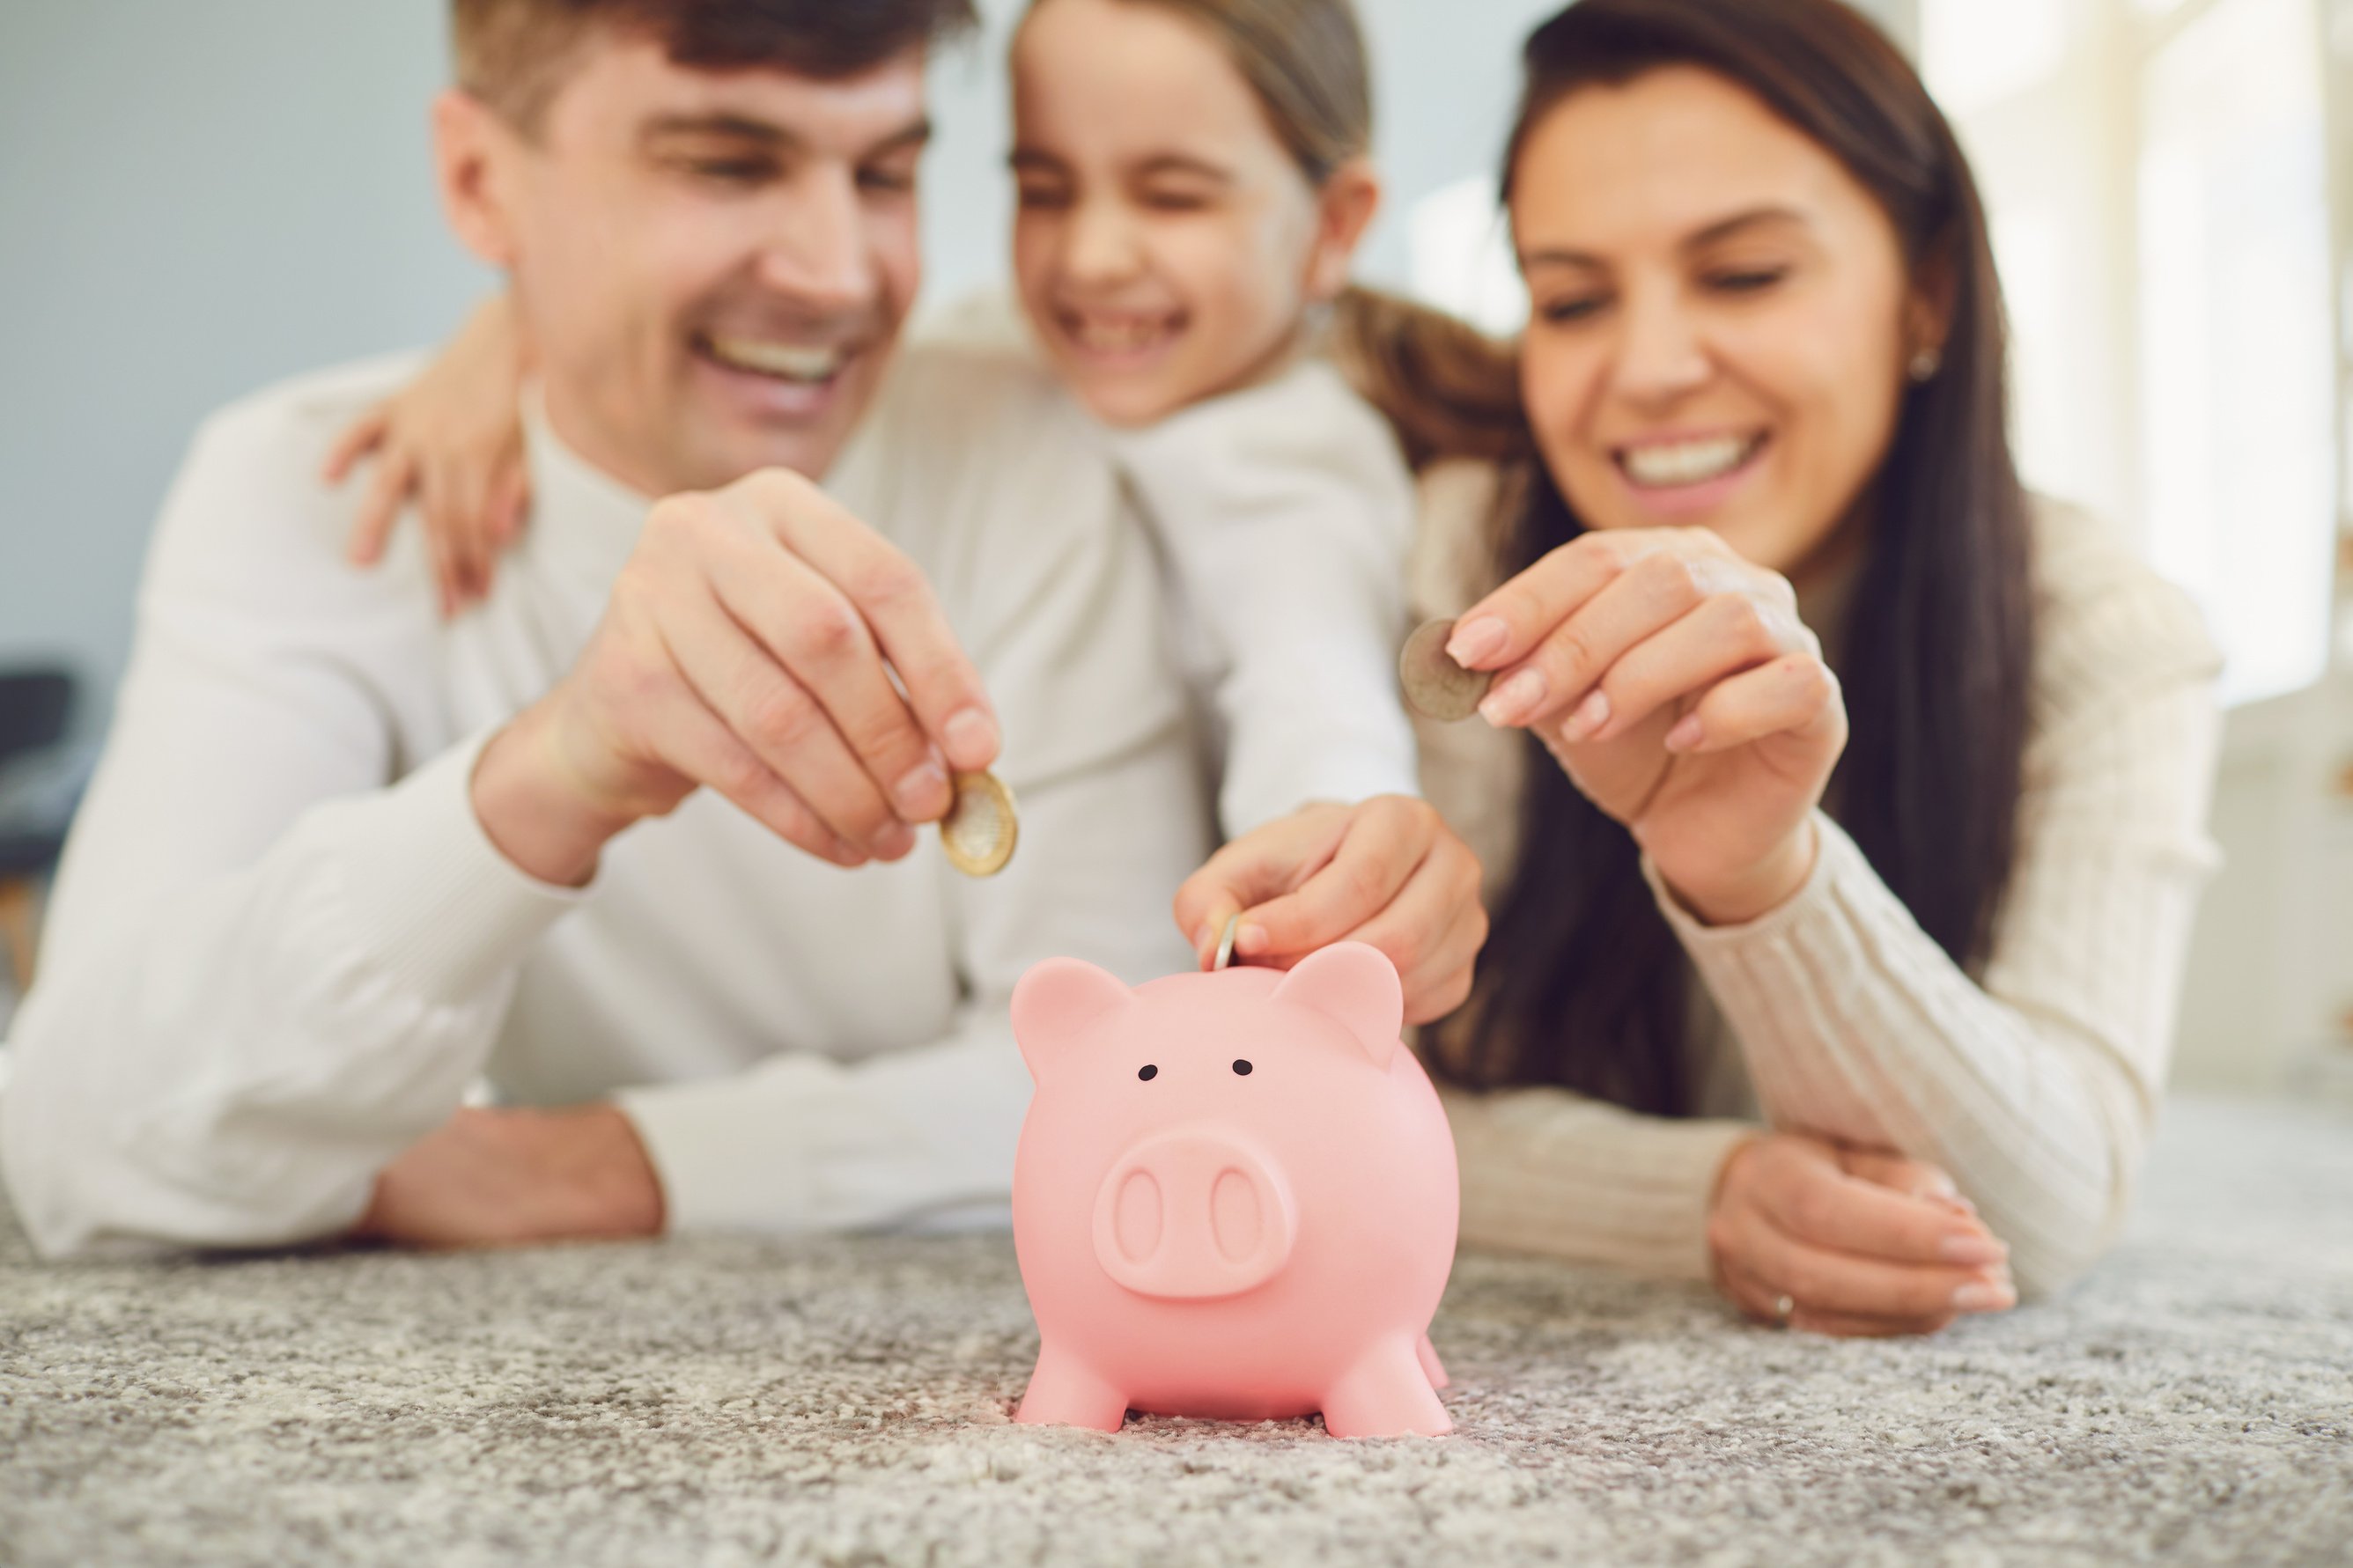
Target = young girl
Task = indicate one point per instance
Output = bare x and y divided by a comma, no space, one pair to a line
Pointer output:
1193,182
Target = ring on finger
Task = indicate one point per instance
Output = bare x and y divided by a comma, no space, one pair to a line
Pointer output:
1784,1307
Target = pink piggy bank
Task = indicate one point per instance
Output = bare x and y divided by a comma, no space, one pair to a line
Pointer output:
1235,1197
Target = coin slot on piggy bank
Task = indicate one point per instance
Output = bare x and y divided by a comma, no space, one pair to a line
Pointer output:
1235,1197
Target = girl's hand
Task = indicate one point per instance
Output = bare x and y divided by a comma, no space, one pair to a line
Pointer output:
453,440
1857,1242
1674,682
1386,871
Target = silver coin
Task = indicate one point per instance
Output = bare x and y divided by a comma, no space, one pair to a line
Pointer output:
981,828
1225,941
1435,685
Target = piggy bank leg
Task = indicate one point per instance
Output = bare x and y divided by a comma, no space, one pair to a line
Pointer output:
1432,1368
1064,1393
1385,1394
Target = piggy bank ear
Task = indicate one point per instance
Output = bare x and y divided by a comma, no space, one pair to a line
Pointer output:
1058,1005
1355,984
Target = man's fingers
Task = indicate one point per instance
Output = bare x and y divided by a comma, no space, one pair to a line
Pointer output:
782,725
693,740
892,597
824,645
357,440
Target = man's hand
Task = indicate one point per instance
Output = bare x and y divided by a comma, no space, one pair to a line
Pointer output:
749,646
1384,872
501,1178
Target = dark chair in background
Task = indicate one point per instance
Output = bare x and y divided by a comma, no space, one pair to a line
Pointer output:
39,787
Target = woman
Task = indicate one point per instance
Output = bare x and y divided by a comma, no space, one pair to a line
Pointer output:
1904,769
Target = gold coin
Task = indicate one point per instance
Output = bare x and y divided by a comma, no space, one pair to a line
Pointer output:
1225,941
980,829
1435,685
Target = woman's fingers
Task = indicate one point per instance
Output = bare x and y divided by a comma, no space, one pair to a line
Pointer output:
1857,1286
1818,1203
1761,1301
1623,619
1789,695
1506,625
363,436
1855,1257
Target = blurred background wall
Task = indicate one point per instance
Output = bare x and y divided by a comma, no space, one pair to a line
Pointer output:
199,199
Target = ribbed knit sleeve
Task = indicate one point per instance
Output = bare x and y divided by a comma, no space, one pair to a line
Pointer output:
2035,1085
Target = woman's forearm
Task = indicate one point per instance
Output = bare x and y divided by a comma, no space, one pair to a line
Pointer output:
2035,1089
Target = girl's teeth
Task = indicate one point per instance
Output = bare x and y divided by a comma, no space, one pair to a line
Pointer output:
1118,337
791,360
1686,462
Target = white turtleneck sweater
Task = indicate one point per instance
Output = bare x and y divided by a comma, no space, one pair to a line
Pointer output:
281,947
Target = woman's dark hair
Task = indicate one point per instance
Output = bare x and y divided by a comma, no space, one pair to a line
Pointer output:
1583,982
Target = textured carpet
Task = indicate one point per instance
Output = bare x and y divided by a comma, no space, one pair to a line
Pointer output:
845,1400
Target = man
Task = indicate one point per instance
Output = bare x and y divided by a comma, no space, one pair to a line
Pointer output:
637,838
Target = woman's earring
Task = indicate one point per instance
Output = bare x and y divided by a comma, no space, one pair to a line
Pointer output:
1926,364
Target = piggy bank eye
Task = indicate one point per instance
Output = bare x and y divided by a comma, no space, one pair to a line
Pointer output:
1241,1069
1147,1072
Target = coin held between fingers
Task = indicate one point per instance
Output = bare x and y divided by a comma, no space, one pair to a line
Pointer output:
1435,685
1225,941
981,827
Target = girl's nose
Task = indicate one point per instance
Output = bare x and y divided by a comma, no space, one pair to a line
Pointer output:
1103,246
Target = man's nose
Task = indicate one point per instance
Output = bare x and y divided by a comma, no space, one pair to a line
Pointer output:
1662,353
820,256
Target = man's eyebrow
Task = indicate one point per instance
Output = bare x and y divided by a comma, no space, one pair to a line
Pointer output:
744,127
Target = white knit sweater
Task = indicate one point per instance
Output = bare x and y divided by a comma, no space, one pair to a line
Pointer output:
1835,1015
281,945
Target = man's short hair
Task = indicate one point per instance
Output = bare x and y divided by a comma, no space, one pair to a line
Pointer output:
514,55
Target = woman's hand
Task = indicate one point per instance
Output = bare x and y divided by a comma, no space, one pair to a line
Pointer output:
1858,1242
1384,872
453,439
1674,682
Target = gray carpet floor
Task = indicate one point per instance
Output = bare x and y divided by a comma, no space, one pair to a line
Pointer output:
729,1402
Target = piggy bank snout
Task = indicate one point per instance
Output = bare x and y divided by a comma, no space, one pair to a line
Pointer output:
1194,1213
